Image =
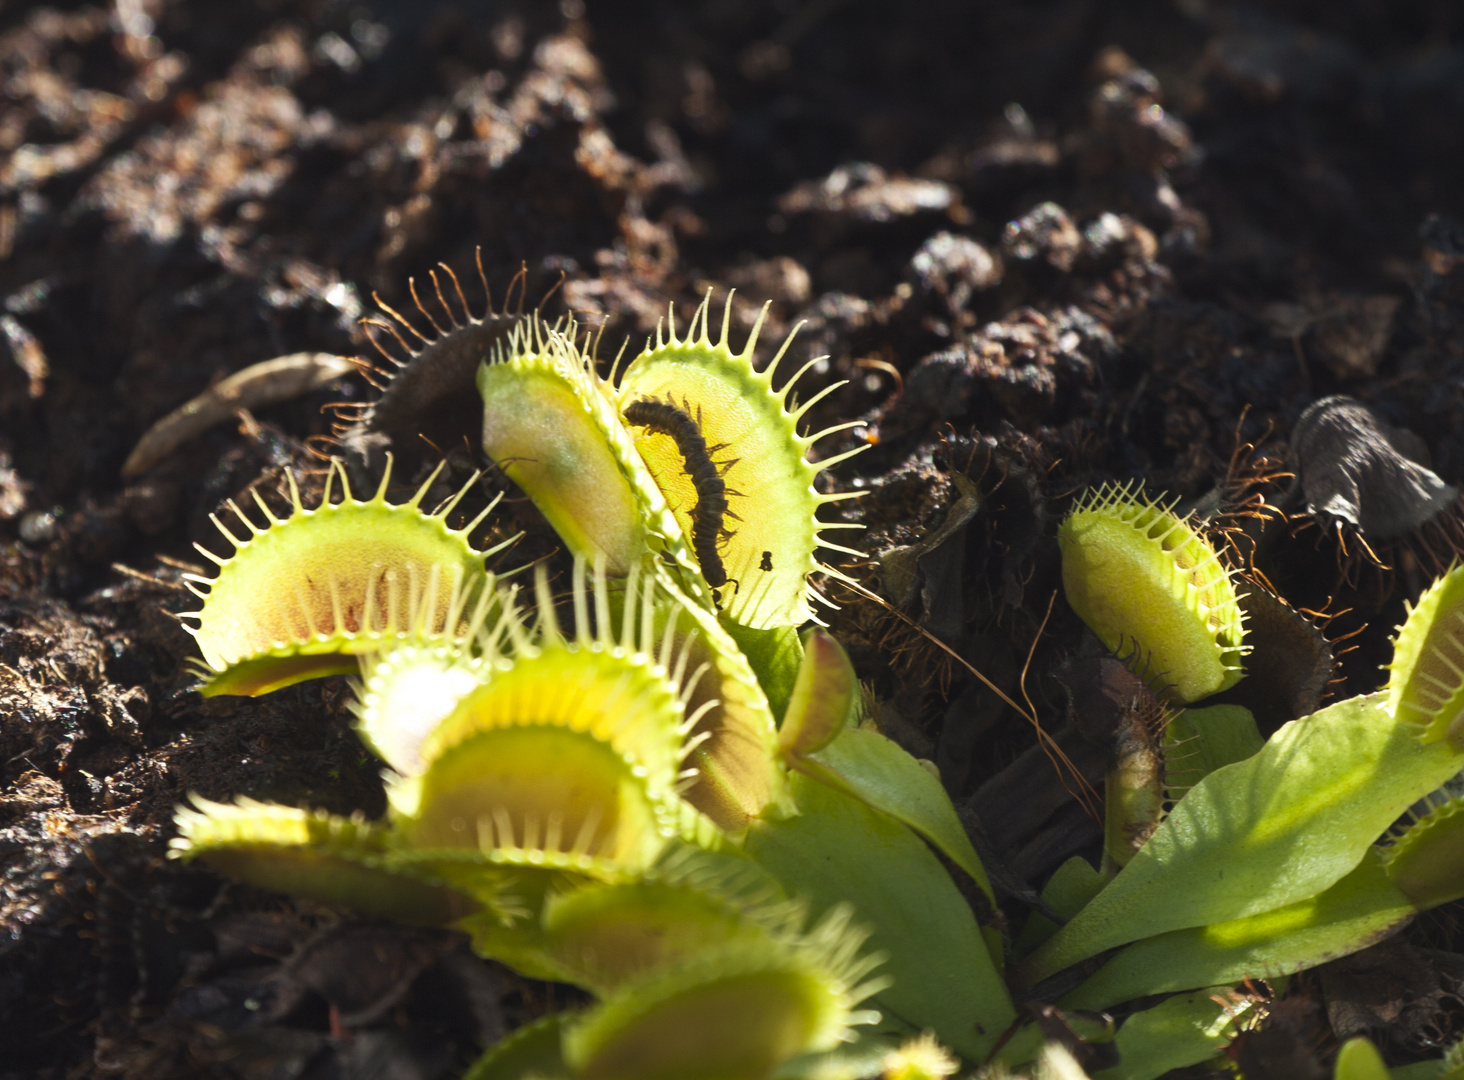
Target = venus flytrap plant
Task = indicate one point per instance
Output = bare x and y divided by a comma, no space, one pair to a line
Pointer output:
548,777
701,411
1268,865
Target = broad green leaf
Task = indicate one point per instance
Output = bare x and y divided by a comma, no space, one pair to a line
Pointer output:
1183,1030
839,850
865,764
1262,833
1358,911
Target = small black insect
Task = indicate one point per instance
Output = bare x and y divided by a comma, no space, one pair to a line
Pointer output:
708,528
767,561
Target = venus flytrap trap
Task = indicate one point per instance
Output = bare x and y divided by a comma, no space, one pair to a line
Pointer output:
1426,687
737,773
1180,1031
1114,708
1150,585
426,387
762,993
549,425
1358,1059
565,764
769,547
311,853
305,596
920,1058
1134,787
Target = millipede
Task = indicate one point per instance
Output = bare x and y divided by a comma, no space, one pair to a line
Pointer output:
708,516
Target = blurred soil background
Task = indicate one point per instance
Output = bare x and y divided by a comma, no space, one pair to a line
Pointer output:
1048,244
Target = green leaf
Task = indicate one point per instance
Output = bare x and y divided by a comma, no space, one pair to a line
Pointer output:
1183,1030
1262,833
1360,910
865,764
839,850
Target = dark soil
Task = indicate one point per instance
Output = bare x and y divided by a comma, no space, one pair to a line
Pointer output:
1049,245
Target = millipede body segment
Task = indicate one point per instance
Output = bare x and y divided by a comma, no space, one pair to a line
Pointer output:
710,514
